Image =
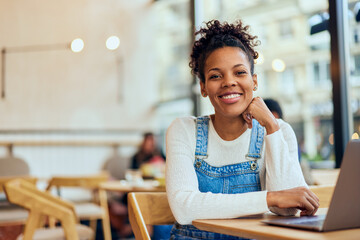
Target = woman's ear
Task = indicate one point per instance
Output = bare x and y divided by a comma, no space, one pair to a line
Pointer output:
254,77
202,89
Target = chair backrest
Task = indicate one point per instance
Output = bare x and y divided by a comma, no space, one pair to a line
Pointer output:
39,203
148,209
13,166
3,180
90,182
324,193
116,164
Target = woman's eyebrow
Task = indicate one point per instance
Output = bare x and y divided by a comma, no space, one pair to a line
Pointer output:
238,65
214,69
218,69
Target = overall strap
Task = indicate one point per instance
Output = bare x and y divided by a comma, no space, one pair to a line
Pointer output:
202,129
256,141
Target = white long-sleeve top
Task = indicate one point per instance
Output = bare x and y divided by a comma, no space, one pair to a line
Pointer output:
279,170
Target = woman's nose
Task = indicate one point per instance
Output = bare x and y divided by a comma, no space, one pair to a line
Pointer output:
228,82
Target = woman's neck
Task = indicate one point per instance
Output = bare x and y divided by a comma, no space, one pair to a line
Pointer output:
229,128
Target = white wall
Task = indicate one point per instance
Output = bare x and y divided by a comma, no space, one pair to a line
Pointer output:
60,89
95,89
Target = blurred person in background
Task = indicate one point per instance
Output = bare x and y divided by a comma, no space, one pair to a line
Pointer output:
147,152
149,158
276,110
274,107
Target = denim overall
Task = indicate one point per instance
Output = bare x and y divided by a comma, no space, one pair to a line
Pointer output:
230,179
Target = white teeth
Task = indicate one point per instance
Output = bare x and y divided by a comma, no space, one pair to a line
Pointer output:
231,96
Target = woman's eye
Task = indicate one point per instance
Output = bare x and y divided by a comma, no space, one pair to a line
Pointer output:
240,72
214,76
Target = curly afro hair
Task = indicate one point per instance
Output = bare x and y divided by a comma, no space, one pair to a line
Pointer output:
217,35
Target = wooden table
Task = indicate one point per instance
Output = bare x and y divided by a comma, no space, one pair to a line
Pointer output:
251,227
125,187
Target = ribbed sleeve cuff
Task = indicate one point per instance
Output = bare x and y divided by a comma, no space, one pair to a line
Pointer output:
262,203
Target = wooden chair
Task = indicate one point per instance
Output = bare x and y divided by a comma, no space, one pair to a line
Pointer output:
13,214
94,210
148,209
324,193
39,204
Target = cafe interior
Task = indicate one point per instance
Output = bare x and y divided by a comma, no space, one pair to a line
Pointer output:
88,86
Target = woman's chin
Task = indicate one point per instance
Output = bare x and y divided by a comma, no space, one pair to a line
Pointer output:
231,114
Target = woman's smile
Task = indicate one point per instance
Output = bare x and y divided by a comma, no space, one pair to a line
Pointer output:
230,97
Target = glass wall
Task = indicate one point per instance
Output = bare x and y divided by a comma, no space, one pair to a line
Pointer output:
354,83
293,67
173,49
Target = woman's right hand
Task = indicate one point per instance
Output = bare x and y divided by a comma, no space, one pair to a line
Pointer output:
299,197
257,109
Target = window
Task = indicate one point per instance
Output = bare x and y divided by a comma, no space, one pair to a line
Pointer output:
285,28
288,81
321,74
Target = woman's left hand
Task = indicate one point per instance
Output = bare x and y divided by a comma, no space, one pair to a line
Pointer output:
257,109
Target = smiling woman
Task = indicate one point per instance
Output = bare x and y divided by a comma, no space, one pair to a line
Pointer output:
240,160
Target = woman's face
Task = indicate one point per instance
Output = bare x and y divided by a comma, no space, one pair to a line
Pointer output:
149,144
228,81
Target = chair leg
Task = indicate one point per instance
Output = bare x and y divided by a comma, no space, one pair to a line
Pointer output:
105,217
93,225
32,223
69,224
52,222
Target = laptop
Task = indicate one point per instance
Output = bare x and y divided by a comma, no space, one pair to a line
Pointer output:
344,209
